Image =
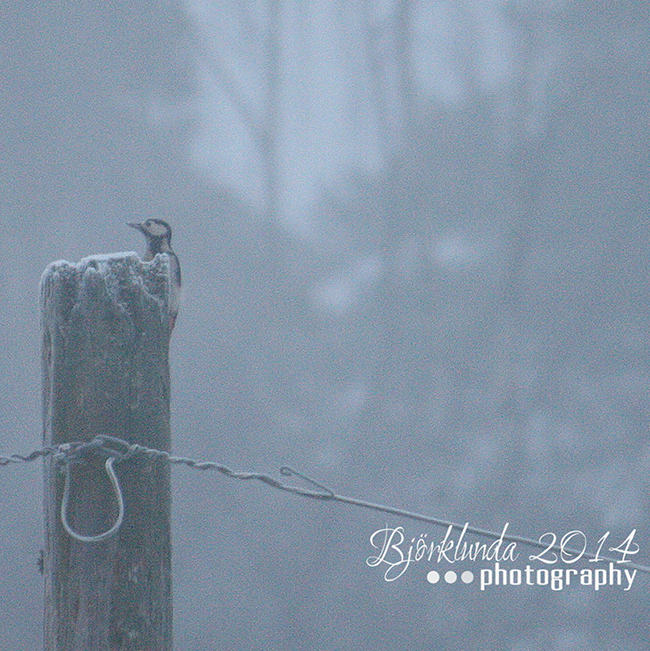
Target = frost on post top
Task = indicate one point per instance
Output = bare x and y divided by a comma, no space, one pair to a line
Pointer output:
121,282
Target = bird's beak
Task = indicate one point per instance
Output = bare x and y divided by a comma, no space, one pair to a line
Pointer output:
136,225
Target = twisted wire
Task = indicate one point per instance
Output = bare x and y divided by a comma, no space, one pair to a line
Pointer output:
119,450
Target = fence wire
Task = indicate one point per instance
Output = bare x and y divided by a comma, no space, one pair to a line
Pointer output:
117,450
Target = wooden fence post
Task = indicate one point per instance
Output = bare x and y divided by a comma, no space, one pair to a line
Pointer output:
105,328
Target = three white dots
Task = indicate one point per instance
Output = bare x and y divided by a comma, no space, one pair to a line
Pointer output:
450,576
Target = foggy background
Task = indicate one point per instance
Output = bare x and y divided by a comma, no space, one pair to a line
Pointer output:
415,245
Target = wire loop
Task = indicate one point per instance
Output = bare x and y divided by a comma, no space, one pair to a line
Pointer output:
110,471
326,494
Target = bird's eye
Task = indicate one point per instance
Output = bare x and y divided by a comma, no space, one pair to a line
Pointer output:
148,222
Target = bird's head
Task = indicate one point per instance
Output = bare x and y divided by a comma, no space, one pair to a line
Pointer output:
153,229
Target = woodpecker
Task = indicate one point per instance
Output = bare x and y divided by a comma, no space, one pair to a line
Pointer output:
158,234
